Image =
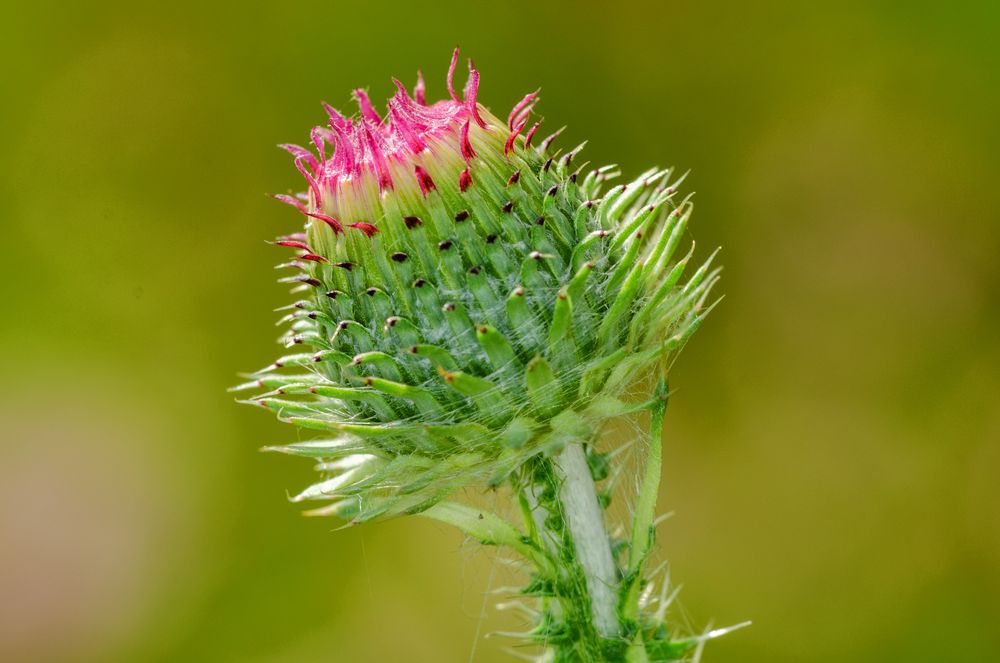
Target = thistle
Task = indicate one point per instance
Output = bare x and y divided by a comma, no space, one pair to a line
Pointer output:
474,306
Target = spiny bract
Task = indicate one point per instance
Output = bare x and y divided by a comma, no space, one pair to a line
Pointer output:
469,300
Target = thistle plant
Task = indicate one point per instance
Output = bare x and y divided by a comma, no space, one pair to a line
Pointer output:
474,306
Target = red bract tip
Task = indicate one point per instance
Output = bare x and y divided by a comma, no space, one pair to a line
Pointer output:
420,90
508,146
424,180
328,220
467,152
290,200
313,257
292,244
519,106
367,228
531,134
465,180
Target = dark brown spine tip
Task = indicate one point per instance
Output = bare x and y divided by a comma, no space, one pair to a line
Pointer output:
332,294
371,292
484,329
413,350
317,358
518,292
399,256
312,315
536,255
343,325
368,382
490,239
391,321
419,283
553,191
445,245
412,222
462,216
507,207
308,280
562,296
515,176
297,340
548,164
300,304
449,307
540,221
344,265
589,204
568,158
312,390
572,178
475,269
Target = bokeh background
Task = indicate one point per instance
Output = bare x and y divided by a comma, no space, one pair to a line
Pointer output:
833,449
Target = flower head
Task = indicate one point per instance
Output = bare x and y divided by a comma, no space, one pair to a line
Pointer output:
470,298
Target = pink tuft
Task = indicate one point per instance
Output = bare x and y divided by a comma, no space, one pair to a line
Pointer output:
371,144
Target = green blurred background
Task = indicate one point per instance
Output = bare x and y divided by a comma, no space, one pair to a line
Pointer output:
832,454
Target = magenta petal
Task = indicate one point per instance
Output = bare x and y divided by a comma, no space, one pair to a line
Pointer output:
420,90
300,152
367,110
451,75
469,95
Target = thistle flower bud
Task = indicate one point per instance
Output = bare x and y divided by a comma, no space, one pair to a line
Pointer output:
471,299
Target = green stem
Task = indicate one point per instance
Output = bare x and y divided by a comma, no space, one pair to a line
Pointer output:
585,522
